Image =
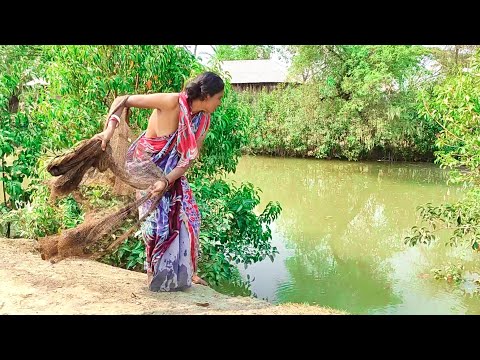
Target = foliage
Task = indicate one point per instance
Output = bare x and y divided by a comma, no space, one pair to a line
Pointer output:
234,234
356,102
20,137
243,52
454,105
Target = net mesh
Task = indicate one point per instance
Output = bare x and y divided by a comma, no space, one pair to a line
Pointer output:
69,171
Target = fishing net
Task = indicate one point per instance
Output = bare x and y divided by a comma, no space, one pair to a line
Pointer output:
69,170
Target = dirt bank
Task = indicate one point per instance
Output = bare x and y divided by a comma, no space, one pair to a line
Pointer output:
30,285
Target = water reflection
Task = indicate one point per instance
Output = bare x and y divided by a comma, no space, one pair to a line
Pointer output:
340,235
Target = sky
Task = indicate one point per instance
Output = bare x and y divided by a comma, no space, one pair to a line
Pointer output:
204,52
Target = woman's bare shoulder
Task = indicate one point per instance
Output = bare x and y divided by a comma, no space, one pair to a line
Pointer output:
170,101
173,99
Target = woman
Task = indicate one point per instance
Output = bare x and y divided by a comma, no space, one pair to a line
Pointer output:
176,129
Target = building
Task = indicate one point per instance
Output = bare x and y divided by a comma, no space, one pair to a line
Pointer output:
255,75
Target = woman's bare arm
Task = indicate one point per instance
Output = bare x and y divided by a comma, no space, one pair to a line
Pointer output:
159,101
162,101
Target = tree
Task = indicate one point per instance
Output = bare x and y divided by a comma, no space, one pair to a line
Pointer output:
454,104
359,100
243,52
452,57
20,139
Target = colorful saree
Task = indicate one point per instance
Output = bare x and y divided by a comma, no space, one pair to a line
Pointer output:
171,232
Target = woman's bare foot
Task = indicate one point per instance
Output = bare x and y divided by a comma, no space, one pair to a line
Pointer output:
198,280
149,278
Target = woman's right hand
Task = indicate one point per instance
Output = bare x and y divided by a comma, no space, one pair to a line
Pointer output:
105,137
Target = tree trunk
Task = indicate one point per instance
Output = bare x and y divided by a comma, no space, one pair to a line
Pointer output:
4,195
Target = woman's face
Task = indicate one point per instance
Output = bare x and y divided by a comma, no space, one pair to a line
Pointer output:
212,102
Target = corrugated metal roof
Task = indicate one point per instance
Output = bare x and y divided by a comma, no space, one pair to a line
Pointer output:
255,71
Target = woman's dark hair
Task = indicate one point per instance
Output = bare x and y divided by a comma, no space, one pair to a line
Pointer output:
207,83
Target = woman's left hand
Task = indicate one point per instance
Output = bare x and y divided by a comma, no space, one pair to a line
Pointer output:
158,187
